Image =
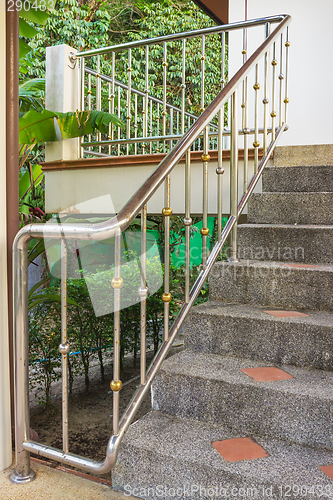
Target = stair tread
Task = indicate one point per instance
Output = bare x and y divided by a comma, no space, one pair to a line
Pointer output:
310,383
165,450
217,308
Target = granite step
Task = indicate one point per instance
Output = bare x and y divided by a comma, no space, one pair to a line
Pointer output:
213,388
283,243
273,284
171,458
301,338
298,179
291,208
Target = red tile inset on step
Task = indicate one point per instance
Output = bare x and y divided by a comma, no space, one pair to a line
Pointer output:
328,470
233,450
285,314
301,266
266,373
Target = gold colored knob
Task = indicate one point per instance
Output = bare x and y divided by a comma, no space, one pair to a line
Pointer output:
164,63
166,297
117,283
205,157
244,51
89,92
274,62
167,211
256,86
273,114
164,113
202,110
286,100
287,44
204,231
243,105
116,385
98,75
129,70
256,144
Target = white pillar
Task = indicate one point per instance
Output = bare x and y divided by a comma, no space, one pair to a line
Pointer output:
5,422
61,94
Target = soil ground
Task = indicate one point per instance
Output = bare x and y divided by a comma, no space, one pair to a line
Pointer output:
90,414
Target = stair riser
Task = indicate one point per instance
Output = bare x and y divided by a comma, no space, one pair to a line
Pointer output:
275,286
286,244
291,208
297,179
246,409
277,342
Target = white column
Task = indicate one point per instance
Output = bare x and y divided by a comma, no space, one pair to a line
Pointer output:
61,94
5,423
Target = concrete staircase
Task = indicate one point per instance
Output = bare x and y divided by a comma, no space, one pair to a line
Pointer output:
246,410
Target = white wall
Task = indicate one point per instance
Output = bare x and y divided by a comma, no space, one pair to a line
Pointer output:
5,424
311,69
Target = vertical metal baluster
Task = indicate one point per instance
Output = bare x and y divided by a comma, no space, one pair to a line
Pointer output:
158,126
203,57
151,127
112,91
187,223
146,103
234,176
266,87
204,230
116,283
273,112
256,142
245,114
177,122
89,103
286,99
119,110
166,297
143,293
281,77
135,122
64,346
99,96
171,126
183,86
110,124
164,113
220,172
129,95
82,100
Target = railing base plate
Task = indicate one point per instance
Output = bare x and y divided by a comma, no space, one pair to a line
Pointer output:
18,479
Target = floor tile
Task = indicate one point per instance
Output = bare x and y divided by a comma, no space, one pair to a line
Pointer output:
285,314
328,470
266,373
233,450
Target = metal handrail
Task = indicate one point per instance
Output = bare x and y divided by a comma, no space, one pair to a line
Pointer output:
179,36
114,227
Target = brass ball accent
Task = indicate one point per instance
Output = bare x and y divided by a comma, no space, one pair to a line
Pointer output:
129,117
287,44
89,92
256,86
166,297
129,70
220,170
164,113
164,63
116,385
265,101
183,86
205,157
273,114
64,348
246,130
117,283
281,76
204,231
286,100
109,99
188,221
203,58
98,75
274,62
243,105
202,110
244,51
256,144
109,137
143,111
167,211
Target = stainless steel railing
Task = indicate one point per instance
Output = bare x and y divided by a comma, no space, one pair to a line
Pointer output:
119,81
138,205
